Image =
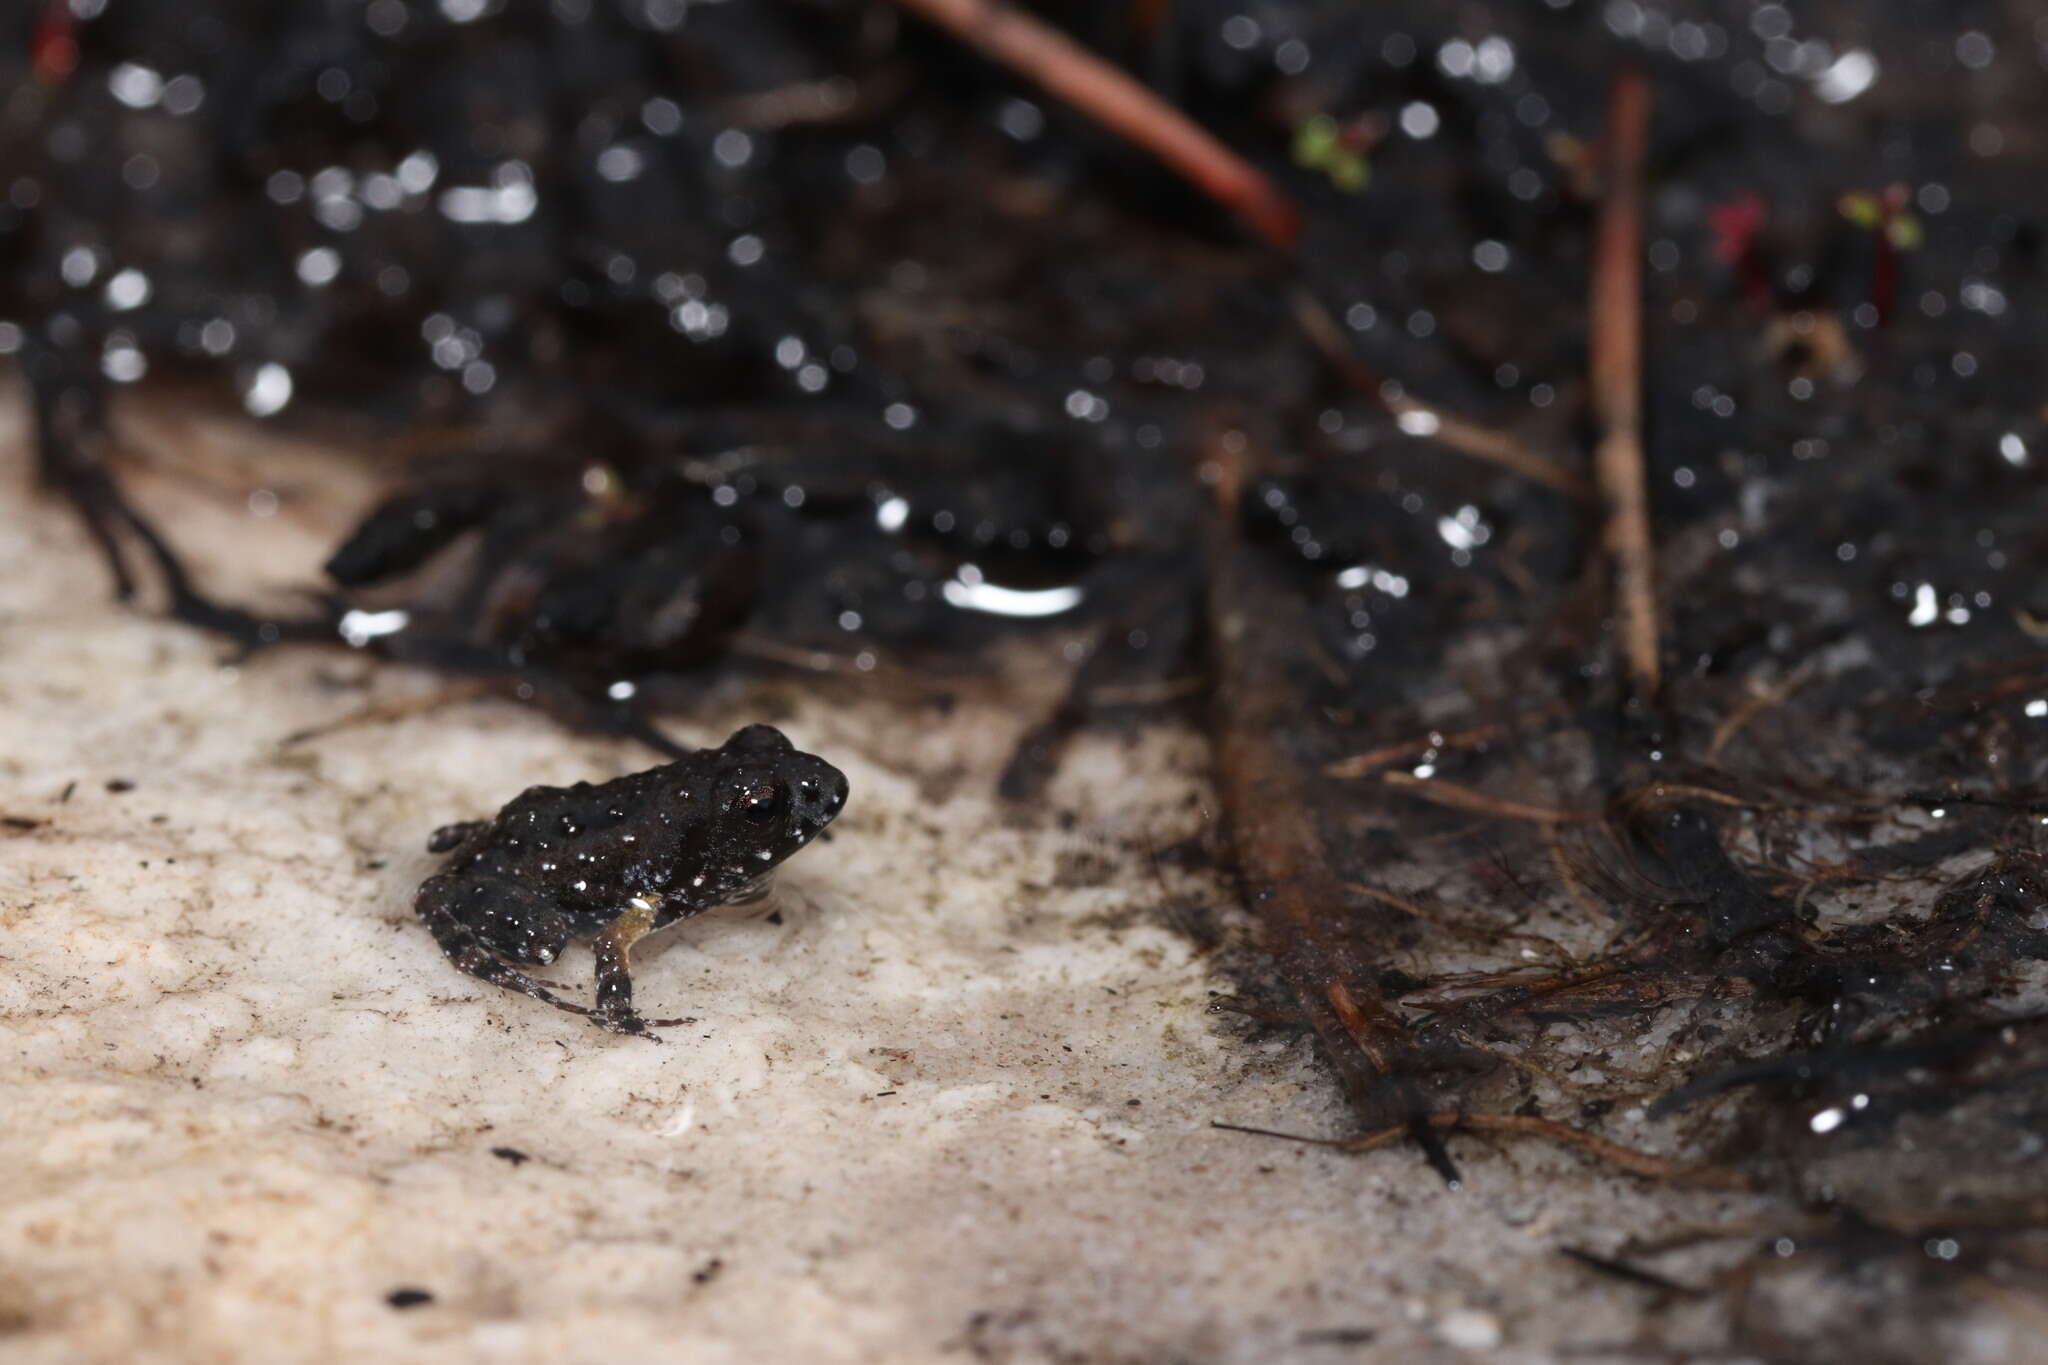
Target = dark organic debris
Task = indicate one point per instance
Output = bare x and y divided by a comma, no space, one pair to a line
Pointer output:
1623,1270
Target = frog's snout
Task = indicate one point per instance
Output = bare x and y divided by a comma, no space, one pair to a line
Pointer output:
819,797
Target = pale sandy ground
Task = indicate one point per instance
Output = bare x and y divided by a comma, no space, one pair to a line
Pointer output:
954,1106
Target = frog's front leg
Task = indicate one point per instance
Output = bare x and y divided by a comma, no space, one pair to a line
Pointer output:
613,948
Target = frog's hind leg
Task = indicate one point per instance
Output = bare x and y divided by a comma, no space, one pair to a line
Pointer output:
614,976
470,952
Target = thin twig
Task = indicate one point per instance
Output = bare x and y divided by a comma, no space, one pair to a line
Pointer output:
1422,419
1406,907
1147,693
1418,418
747,645
1372,760
402,708
1631,1274
1757,703
1574,885
1603,986
810,104
1633,1160
1492,935
1479,803
1077,76
1616,346
1660,795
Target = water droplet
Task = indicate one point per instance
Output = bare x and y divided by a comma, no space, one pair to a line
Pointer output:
268,391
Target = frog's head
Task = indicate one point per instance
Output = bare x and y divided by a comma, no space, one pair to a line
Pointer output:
768,800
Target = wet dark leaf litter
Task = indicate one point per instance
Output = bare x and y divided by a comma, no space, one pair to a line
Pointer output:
792,336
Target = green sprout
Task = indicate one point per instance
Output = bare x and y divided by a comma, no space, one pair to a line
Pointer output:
1886,212
1340,151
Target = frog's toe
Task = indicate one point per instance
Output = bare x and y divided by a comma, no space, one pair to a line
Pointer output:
624,1022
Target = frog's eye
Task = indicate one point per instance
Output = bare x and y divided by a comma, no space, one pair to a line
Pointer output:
763,803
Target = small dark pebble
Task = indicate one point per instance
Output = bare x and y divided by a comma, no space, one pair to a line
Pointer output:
408,1298
1133,1104
21,822
119,785
708,1272
511,1154
1338,1336
775,917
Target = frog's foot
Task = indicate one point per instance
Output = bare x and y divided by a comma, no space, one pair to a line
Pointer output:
628,1023
631,1025
623,1022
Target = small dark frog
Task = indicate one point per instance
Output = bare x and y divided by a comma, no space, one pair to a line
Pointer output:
616,861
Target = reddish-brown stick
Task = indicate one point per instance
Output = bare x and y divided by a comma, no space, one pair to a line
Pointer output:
1631,1159
1083,80
1259,633
1616,347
